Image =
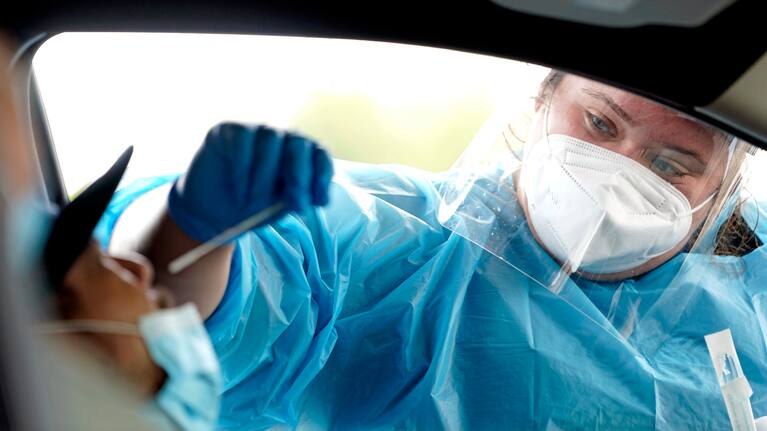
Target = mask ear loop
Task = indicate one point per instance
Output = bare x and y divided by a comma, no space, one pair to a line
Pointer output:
730,151
89,326
702,204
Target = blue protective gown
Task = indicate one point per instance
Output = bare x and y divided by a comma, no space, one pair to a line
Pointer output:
368,314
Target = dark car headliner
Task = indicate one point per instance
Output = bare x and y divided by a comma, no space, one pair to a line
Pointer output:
683,67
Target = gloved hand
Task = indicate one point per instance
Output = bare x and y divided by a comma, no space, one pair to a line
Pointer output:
241,170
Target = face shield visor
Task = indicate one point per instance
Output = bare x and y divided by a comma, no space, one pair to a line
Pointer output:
609,185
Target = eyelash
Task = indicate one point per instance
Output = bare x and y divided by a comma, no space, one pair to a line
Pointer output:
677,173
591,122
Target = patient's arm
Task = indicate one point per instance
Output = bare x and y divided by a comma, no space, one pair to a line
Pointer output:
239,171
146,228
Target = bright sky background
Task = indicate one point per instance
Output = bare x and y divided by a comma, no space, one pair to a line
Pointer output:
367,101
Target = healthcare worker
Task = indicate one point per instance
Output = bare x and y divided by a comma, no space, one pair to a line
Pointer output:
561,281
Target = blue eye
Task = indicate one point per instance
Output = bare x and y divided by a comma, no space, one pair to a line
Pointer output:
601,125
665,168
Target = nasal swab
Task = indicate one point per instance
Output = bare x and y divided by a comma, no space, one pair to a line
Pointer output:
182,262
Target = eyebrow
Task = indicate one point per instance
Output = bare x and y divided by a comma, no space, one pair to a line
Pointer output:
699,155
610,102
695,155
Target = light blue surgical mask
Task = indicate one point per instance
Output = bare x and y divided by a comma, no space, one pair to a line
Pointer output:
177,341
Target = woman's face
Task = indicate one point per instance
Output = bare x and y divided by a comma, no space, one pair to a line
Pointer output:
688,155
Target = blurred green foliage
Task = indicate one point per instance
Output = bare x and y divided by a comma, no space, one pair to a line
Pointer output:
428,135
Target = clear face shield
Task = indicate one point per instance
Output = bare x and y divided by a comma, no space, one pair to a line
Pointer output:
611,202
609,184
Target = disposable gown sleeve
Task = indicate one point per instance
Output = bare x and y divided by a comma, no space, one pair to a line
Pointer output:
291,281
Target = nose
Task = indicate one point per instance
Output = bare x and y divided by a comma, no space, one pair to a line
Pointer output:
631,148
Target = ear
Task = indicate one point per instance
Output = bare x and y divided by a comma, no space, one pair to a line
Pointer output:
136,264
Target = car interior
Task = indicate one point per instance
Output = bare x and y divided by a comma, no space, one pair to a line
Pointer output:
402,72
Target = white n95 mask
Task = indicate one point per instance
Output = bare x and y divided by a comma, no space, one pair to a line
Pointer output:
597,210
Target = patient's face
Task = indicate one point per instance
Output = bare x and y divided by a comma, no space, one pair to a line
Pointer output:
107,288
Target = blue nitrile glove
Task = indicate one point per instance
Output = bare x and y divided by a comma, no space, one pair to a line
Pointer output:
241,170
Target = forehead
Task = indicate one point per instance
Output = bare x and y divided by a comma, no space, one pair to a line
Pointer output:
650,119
